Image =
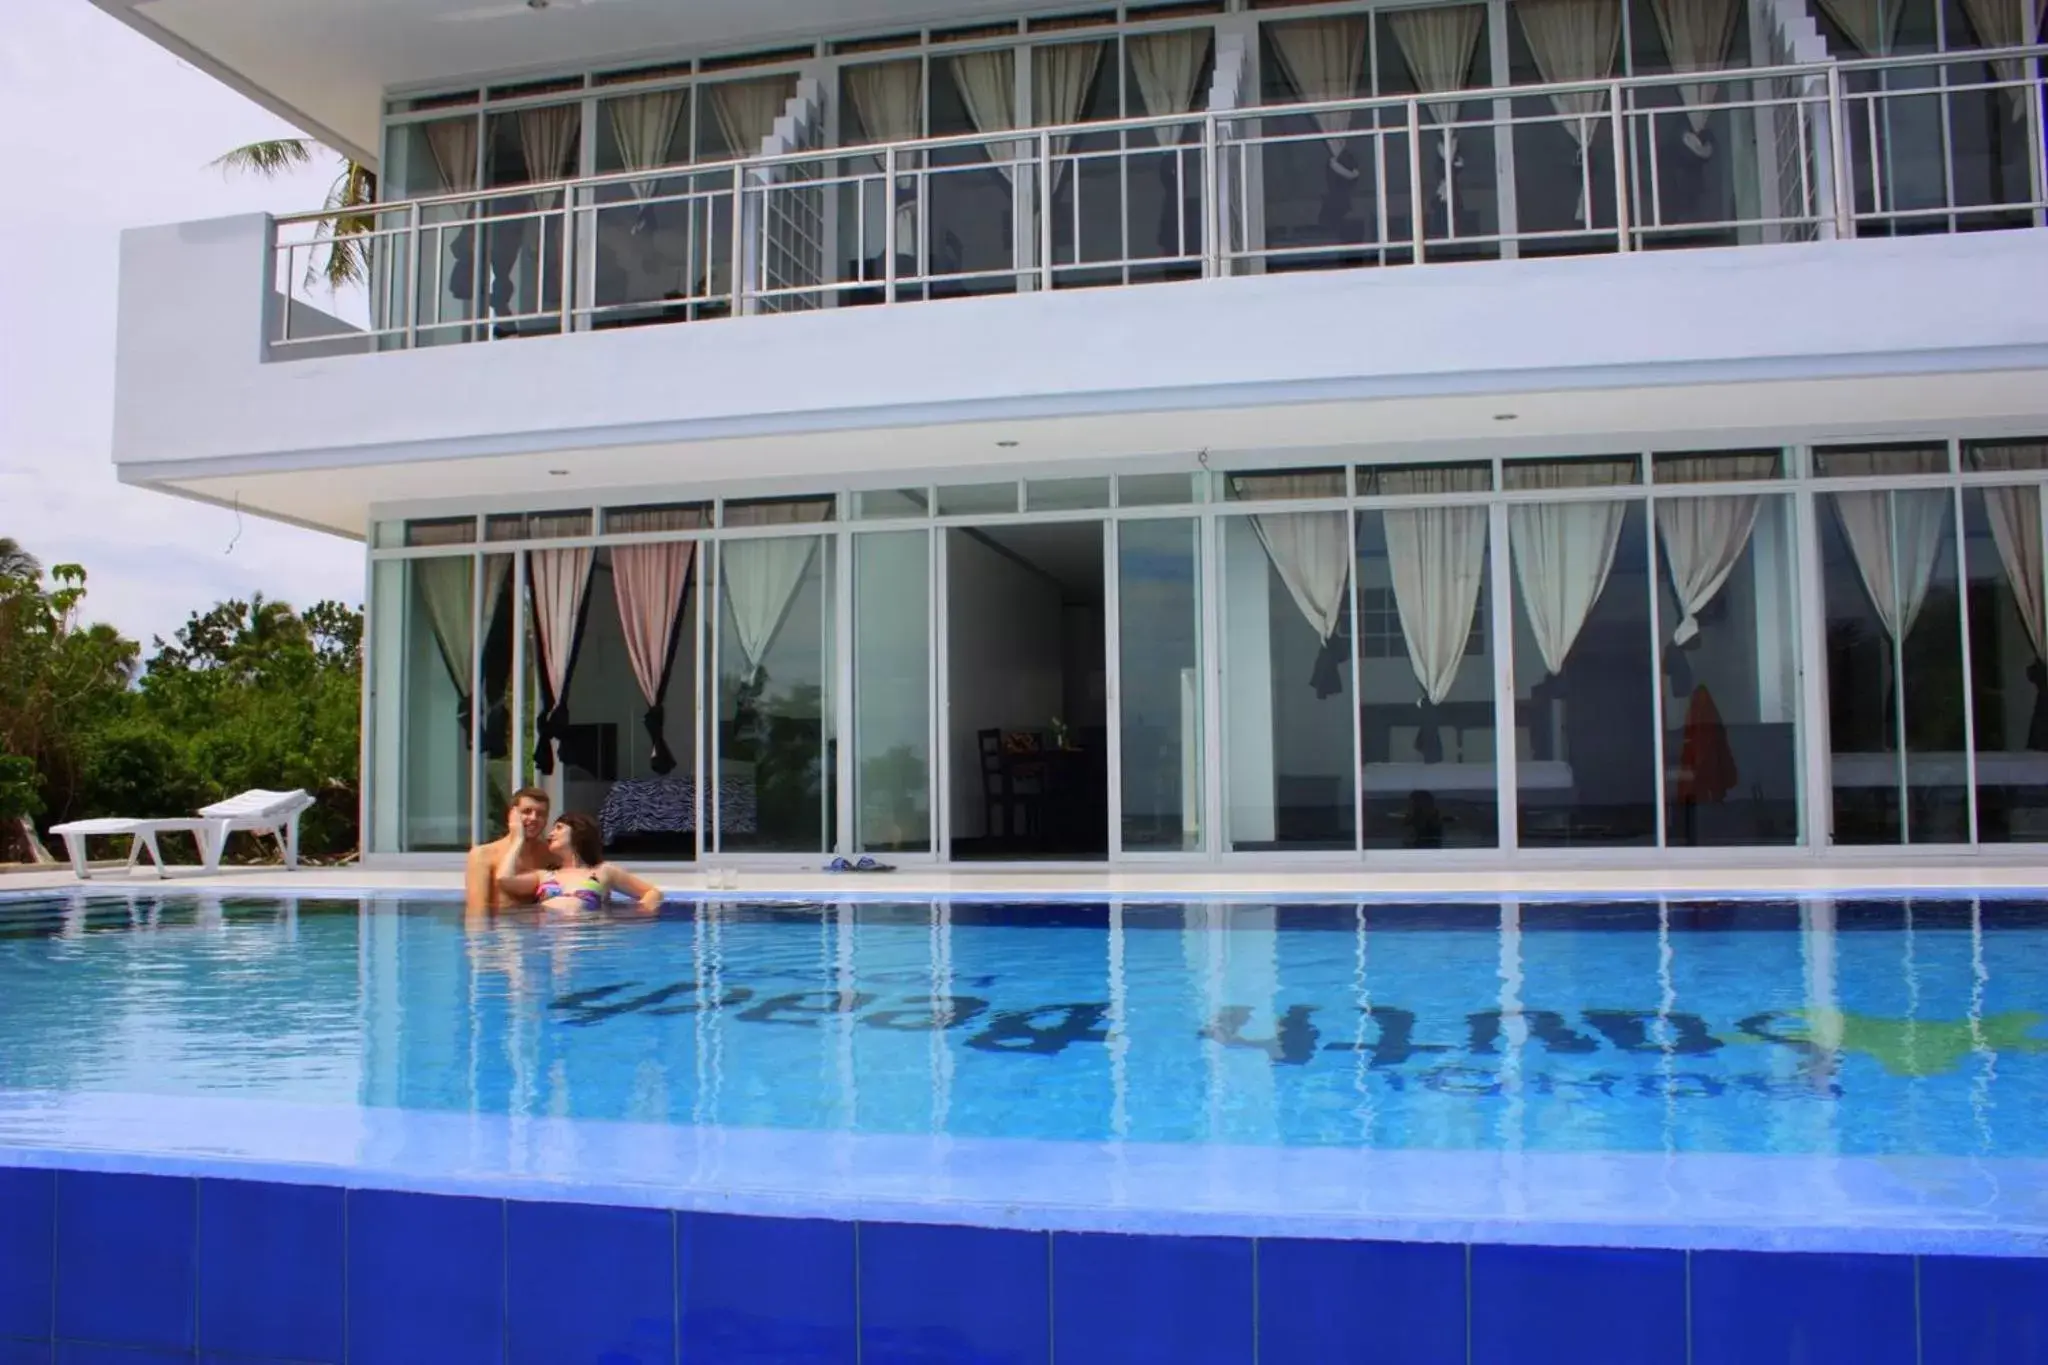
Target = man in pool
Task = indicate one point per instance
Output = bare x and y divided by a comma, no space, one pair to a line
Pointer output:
480,877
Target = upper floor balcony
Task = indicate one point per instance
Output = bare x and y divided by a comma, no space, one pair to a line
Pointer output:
835,211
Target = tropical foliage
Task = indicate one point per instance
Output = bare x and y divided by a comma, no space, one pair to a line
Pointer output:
344,231
246,694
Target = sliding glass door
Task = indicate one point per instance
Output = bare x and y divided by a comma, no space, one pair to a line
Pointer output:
1160,716
892,692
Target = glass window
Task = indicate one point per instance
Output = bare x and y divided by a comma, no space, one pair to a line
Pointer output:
1165,72
1289,779
878,504
650,234
1584,691
1065,495
1288,483
776,782
627,751
1159,606
1426,726
655,518
505,755
977,499
1730,671
973,240
2009,681
1321,183
1865,461
1441,49
1155,490
537,525
1587,471
778,511
1409,481
522,235
1894,661
1998,456
892,710
425,678
881,102
1717,466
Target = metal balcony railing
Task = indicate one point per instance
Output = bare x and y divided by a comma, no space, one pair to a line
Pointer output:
1791,153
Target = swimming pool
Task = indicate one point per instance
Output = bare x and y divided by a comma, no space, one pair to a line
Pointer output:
1677,1083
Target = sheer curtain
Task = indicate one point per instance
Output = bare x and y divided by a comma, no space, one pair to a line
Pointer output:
746,111
1575,40
1563,553
1438,557
645,127
2009,23
762,579
1872,25
1698,35
2015,516
1168,66
888,99
987,82
559,583
444,587
452,144
1324,59
547,143
1704,539
1896,540
1438,44
1062,75
652,584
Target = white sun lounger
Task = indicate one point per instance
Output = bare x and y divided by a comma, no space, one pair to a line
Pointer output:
258,812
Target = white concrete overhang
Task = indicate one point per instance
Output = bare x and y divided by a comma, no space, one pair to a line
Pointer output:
327,65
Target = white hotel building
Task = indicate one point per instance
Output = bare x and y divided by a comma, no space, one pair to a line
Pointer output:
1213,432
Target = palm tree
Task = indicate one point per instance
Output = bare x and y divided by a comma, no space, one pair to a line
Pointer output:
15,562
347,225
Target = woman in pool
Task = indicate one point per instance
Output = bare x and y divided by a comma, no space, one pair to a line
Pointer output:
580,880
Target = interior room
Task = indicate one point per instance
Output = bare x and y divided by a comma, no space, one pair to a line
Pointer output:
1028,719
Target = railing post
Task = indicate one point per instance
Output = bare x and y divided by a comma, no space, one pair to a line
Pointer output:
736,287
1043,191
567,284
1215,250
889,244
411,310
1418,211
1618,124
1841,178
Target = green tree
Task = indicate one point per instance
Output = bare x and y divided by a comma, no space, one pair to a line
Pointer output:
59,678
347,224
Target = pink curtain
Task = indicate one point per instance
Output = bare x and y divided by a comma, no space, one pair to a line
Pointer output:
558,580
651,583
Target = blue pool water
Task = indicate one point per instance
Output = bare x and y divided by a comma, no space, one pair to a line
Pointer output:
1827,1028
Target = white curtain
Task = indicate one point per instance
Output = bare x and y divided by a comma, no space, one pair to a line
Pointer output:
1167,66
547,142
2015,515
1563,553
444,587
1311,551
2009,23
1061,77
762,578
1438,44
888,99
645,127
1438,555
1872,25
987,82
452,144
1575,40
746,111
1698,35
558,580
1703,539
1896,540
1324,59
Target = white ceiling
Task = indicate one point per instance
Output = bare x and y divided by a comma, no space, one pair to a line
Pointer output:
340,496
325,64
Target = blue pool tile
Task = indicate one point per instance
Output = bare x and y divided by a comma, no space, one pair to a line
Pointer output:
28,1232
270,1270
426,1279
1373,1303
1761,1308
86,1353
125,1259
1577,1306
767,1290
590,1284
1118,1300
930,1294
1983,1310
15,1352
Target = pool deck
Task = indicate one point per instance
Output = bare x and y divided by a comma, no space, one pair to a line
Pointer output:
1838,877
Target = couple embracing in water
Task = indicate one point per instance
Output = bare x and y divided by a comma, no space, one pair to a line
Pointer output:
558,867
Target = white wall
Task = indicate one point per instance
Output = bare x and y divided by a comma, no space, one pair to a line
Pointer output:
192,384
1004,664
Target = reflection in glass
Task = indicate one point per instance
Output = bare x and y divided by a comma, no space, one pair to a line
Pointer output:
1159,604
775,667
651,234
432,760
1895,667
974,229
1583,664
1425,677
1730,685
2007,675
892,712
1290,779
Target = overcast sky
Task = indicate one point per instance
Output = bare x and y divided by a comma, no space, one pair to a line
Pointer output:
101,130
